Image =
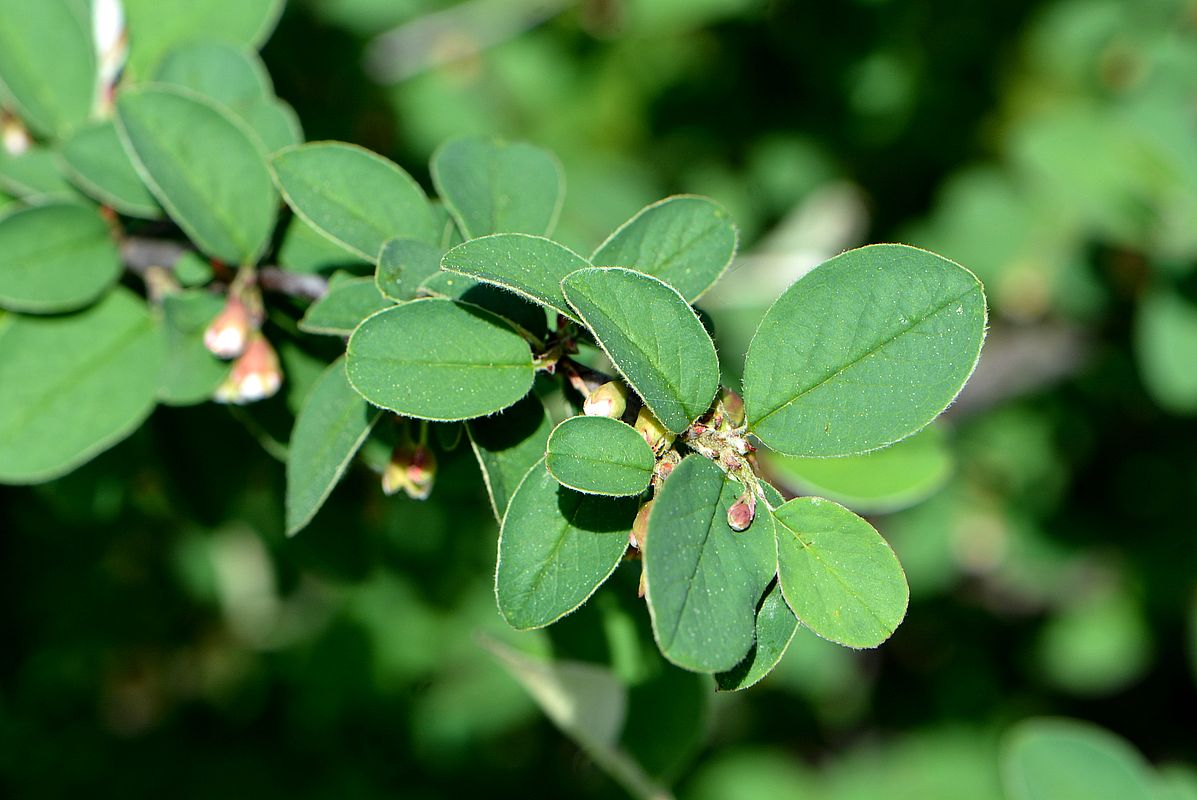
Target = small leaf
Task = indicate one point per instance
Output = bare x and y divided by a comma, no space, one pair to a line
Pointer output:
35,176
531,266
439,359
864,350
156,27
507,445
838,575
190,373
775,628
1060,759
343,307
686,241
888,479
495,186
356,198
599,455
204,166
71,387
331,425
1166,350
653,336
55,258
99,165
47,64
403,265
556,547
704,580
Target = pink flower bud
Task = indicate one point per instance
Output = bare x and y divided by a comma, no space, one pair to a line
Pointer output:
413,469
608,400
742,512
640,527
256,375
733,408
227,335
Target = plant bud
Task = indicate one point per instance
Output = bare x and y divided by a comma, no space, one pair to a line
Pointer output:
659,437
228,334
664,466
413,469
608,400
640,527
111,46
733,408
256,375
742,512
16,139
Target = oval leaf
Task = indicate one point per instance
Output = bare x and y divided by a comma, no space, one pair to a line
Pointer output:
205,167
47,63
439,359
495,186
863,351
99,165
332,423
355,197
35,176
1060,759
653,336
686,241
347,302
403,265
599,455
532,266
556,547
839,576
55,258
775,629
71,387
703,579
1166,349
156,27
507,445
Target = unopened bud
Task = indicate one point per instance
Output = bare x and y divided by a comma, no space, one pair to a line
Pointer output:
733,408
742,512
256,375
111,46
227,335
16,138
608,400
639,532
413,469
659,437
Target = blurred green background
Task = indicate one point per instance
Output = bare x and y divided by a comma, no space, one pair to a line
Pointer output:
161,636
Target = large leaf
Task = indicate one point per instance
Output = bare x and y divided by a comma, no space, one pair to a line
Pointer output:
523,314
653,336
704,579
73,386
190,373
332,424
495,186
155,27
403,265
205,167
355,197
556,547
863,351
1166,350
599,455
838,575
507,445
55,258
775,628
686,241
532,266
99,165
47,63
439,359
347,302
1060,759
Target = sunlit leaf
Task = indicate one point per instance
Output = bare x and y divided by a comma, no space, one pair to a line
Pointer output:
507,445
599,455
531,266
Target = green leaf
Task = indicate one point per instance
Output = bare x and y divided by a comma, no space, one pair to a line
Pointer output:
190,373
35,176
525,316
865,350
507,445
343,307
838,575
56,258
204,166
1060,759
1166,349
775,629
888,479
686,241
47,64
703,579
156,27
653,336
403,265
556,546
439,359
356,198
275,122
495,186
305,250
97,162
71,387
599,455
332,424
531,266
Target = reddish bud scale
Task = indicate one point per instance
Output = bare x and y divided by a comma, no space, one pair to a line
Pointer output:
742,512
